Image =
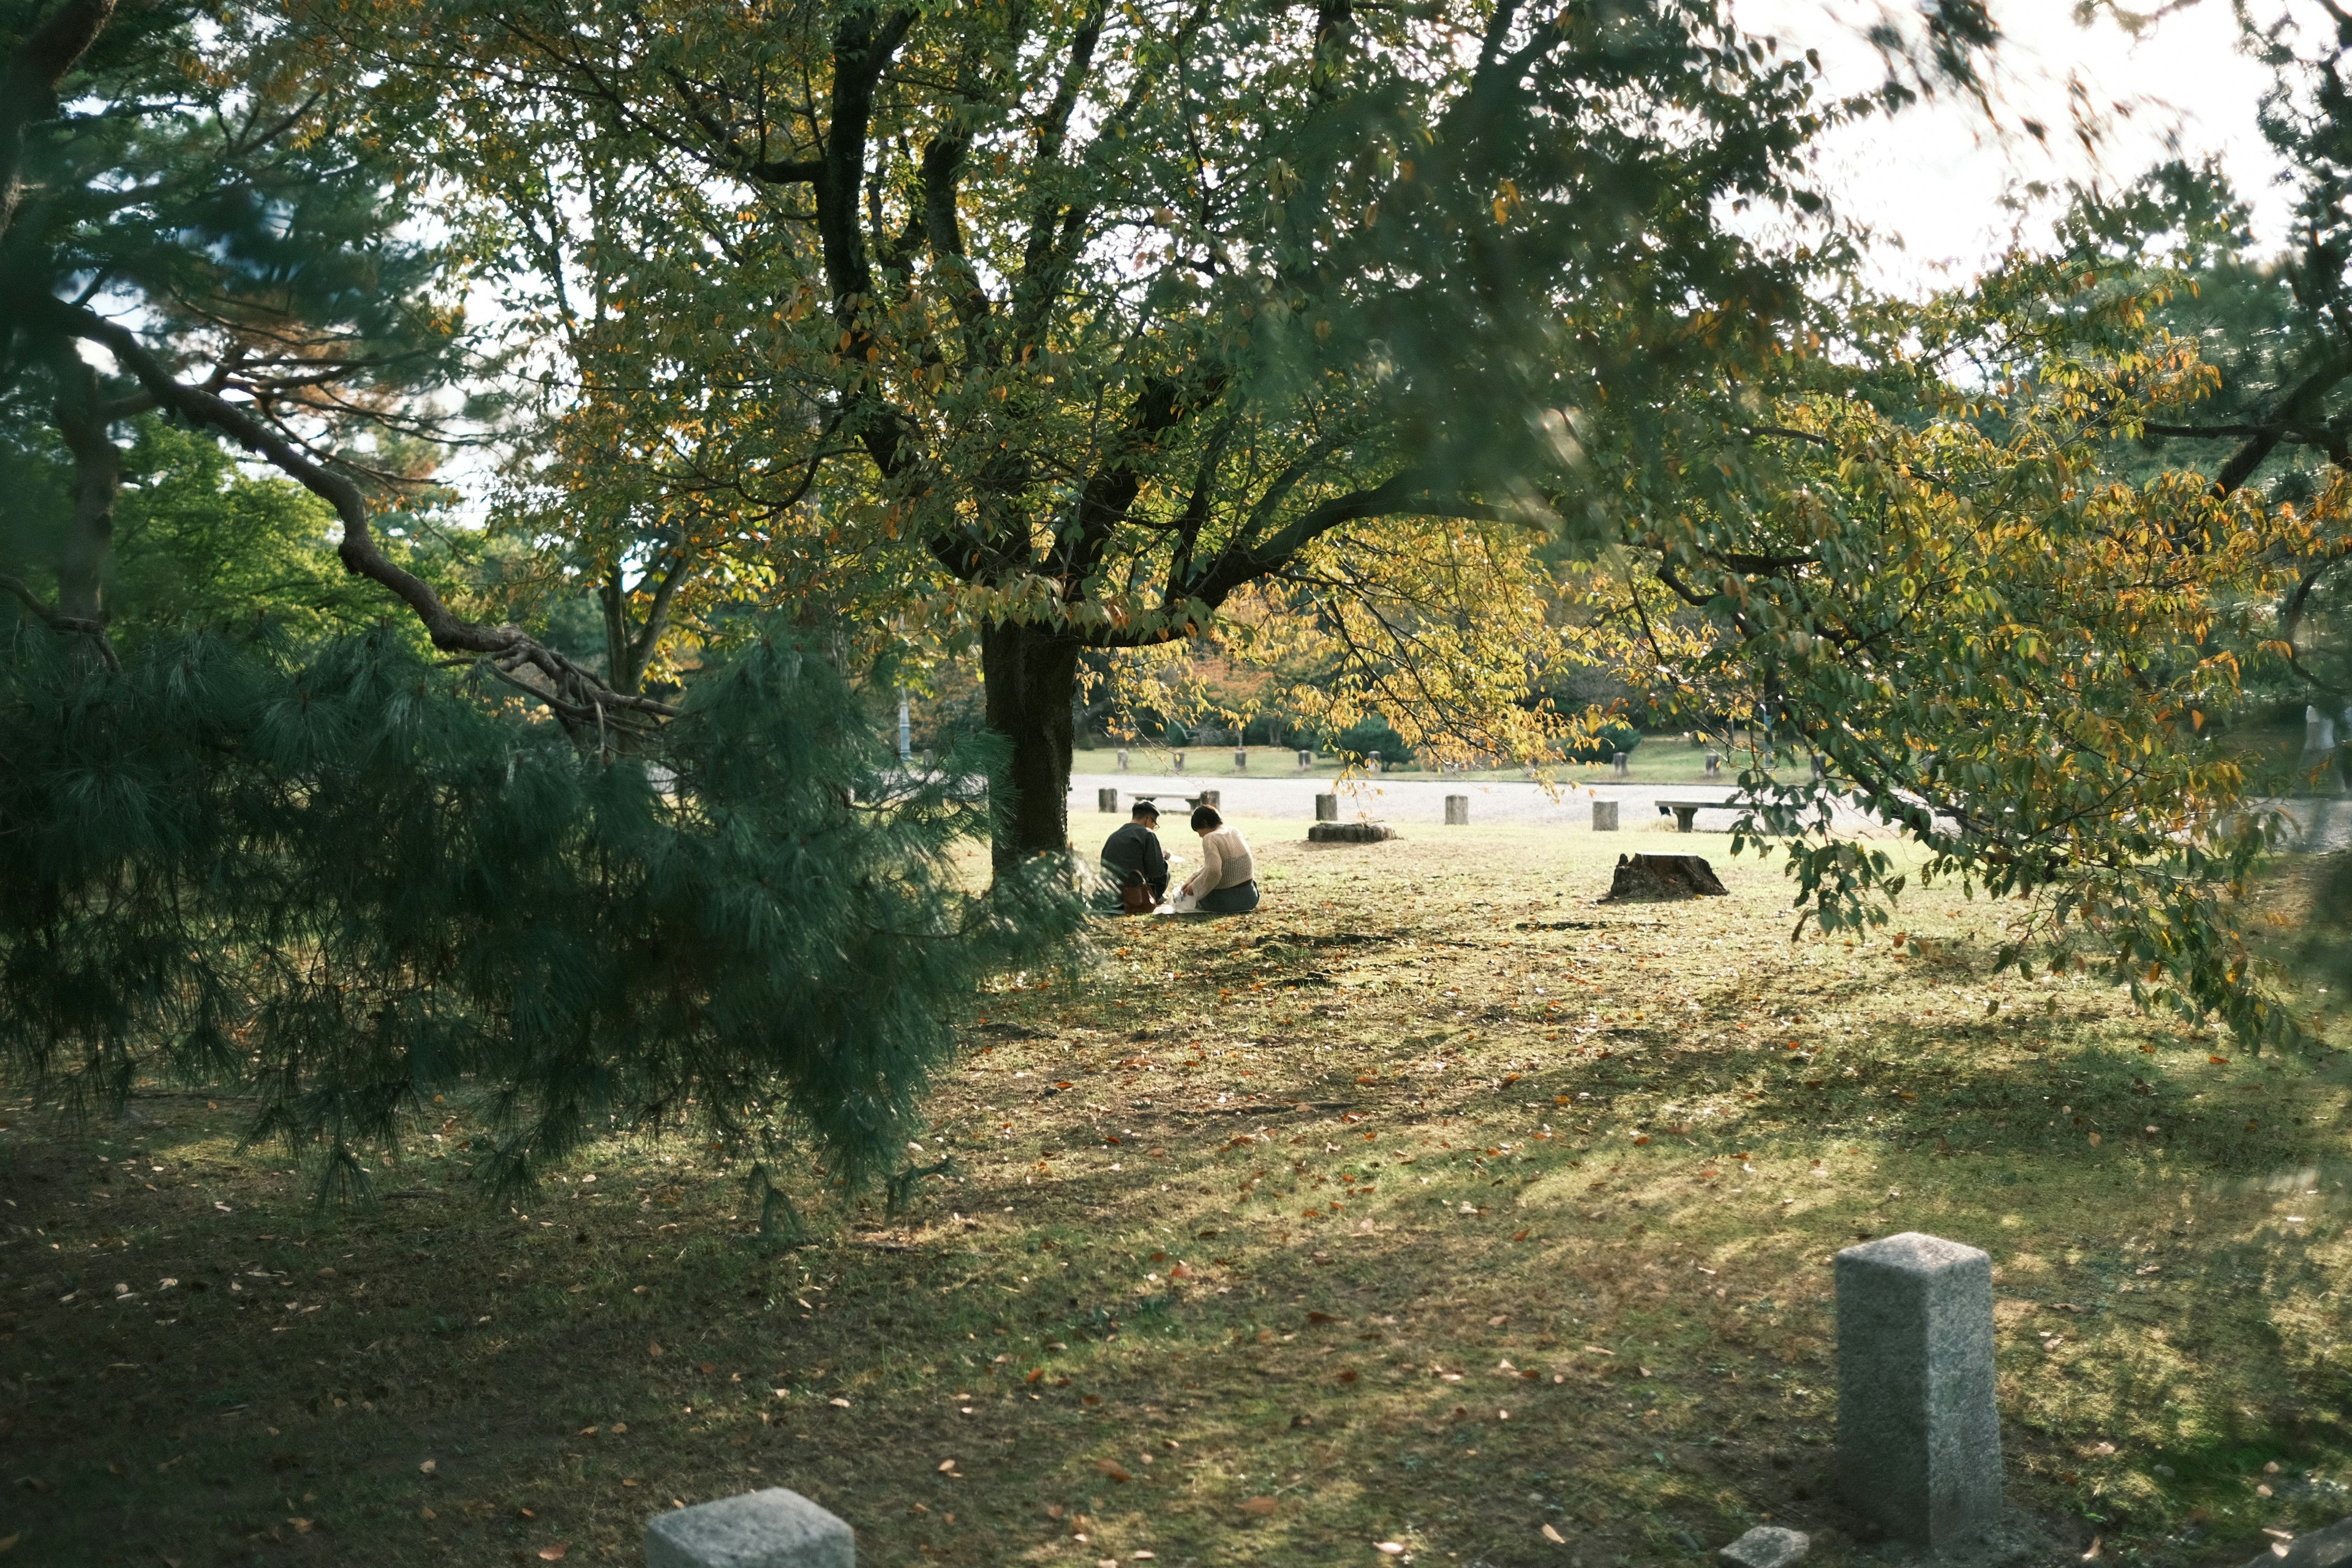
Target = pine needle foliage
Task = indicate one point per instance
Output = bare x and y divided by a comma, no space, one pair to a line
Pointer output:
356,882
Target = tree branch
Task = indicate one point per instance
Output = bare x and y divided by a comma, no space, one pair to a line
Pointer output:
576,693
58,621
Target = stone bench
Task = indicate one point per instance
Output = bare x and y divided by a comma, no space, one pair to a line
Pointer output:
1209,797
1682,811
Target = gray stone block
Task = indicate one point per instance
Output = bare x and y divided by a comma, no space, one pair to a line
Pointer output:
1241,762
1327,808
1457,811
1604,817
1918,1440
1122,759
1105,800
1765,1546
2329,1548
772,1529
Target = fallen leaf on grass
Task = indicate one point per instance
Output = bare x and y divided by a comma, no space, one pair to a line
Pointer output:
1552,1534
842,1404
427,1468
554,1553
1394,1549
654,1350
8,1541
1260,1506
1112,1468
946,1464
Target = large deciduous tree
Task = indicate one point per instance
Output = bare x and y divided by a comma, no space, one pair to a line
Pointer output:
1085,317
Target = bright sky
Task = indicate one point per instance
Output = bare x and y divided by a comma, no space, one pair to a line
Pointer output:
1933,177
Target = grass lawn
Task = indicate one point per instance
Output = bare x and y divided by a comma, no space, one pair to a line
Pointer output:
1431,1205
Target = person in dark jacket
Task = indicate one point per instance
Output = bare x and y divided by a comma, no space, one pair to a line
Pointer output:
1133,853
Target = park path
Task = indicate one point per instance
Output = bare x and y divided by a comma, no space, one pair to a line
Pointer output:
2321,825
1400,802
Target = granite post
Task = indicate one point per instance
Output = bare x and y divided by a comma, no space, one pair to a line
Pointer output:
772,1529
1175,761
1105,800
1714,765
1241,762
1305,761
1604,817
1122,759
1327,808
1918,1438
1457,811
1624,765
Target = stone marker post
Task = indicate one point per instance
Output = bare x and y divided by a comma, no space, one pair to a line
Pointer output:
1918,1440
1215,799
1457,811
1604,817
772,1529
1122,759
1175,761
1305,761
1105,800
1624,765
1372,762
1327,808
1821,768
1241,762
1714,765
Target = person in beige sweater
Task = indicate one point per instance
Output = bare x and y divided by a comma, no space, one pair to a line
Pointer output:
1226,883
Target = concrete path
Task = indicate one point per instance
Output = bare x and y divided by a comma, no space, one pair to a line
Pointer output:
1400,802
2323,825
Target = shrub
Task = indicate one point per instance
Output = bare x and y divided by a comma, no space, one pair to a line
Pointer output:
1613,738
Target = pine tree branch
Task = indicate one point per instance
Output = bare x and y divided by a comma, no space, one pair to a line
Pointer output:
59,621
576,694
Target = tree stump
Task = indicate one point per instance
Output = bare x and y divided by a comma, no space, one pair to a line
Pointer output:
1642,876
1348,833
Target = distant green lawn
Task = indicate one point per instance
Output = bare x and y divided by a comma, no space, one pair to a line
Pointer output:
1431,1205
1666,759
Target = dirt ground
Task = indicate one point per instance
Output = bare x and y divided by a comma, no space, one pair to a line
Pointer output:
1433,1207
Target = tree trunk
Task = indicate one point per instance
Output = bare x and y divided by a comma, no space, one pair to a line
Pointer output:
84,419
1028,673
